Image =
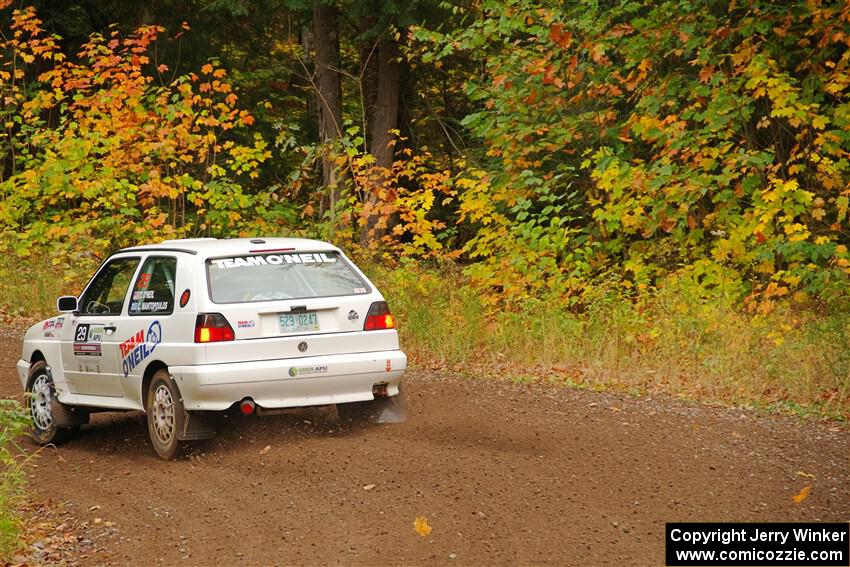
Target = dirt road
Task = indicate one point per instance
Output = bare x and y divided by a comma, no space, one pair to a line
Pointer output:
505,474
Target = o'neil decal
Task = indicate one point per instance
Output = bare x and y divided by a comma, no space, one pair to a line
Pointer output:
274,260
140,346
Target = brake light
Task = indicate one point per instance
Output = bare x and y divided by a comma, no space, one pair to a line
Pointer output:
379,317
212,328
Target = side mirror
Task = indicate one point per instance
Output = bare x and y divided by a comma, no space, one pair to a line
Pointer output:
66,303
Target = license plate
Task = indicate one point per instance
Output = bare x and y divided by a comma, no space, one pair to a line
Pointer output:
299,322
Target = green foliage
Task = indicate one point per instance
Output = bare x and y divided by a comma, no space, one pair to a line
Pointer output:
648,139
104,151
14,422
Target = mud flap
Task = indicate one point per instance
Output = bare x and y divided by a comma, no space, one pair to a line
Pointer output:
196,426
67,417
389,410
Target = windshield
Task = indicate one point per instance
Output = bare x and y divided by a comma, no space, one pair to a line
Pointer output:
269,277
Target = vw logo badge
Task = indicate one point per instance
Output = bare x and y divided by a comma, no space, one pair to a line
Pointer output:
302,346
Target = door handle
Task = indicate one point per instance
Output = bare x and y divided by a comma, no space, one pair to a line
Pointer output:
110,328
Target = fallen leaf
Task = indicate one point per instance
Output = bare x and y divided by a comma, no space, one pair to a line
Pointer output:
801,473
369,487
265,449
803,494
420,524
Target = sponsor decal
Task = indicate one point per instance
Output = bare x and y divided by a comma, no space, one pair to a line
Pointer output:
389,365
250,323
140,346
52,325
184,297
87,339
274,260
308,370
360,290
95,334
353,315
87,349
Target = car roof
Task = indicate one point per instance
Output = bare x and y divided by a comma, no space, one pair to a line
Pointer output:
206,247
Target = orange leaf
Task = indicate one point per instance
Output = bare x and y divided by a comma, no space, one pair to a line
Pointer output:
558,36
420,524
207,69
797,498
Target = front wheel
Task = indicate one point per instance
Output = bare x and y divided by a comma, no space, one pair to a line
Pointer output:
165,414
41,393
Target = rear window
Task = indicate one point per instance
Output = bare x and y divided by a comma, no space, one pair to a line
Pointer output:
270,277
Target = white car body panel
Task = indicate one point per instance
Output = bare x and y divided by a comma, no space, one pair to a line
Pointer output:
106,369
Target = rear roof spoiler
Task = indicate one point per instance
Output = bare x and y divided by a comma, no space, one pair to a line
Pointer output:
158,249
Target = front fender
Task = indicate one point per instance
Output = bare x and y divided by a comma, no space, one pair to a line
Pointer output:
43,338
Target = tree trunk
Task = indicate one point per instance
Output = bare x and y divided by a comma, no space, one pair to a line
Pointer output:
368,74
384,122
328,85
386,103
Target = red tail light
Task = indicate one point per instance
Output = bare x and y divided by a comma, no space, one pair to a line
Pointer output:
212,328
379,317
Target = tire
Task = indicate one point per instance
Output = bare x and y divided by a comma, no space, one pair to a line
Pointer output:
41,392
165,415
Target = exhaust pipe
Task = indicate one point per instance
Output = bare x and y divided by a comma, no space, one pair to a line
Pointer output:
247,406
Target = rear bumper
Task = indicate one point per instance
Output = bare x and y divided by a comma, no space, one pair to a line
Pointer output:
295,382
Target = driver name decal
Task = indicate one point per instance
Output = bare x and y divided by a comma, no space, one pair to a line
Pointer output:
274,259
140,346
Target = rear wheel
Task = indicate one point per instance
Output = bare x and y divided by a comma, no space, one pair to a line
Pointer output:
165,414
41,393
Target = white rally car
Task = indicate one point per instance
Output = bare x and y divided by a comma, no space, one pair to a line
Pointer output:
188,327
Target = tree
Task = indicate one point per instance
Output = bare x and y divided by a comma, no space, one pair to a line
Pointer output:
328,86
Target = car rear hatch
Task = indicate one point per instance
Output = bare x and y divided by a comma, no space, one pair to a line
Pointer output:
291,305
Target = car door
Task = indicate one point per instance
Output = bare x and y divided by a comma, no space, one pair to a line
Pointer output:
89,358
151,305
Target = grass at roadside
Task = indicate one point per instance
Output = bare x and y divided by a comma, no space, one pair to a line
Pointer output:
14,423
672,341
29,286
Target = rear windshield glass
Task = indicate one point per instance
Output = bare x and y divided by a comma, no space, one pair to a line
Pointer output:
267,277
